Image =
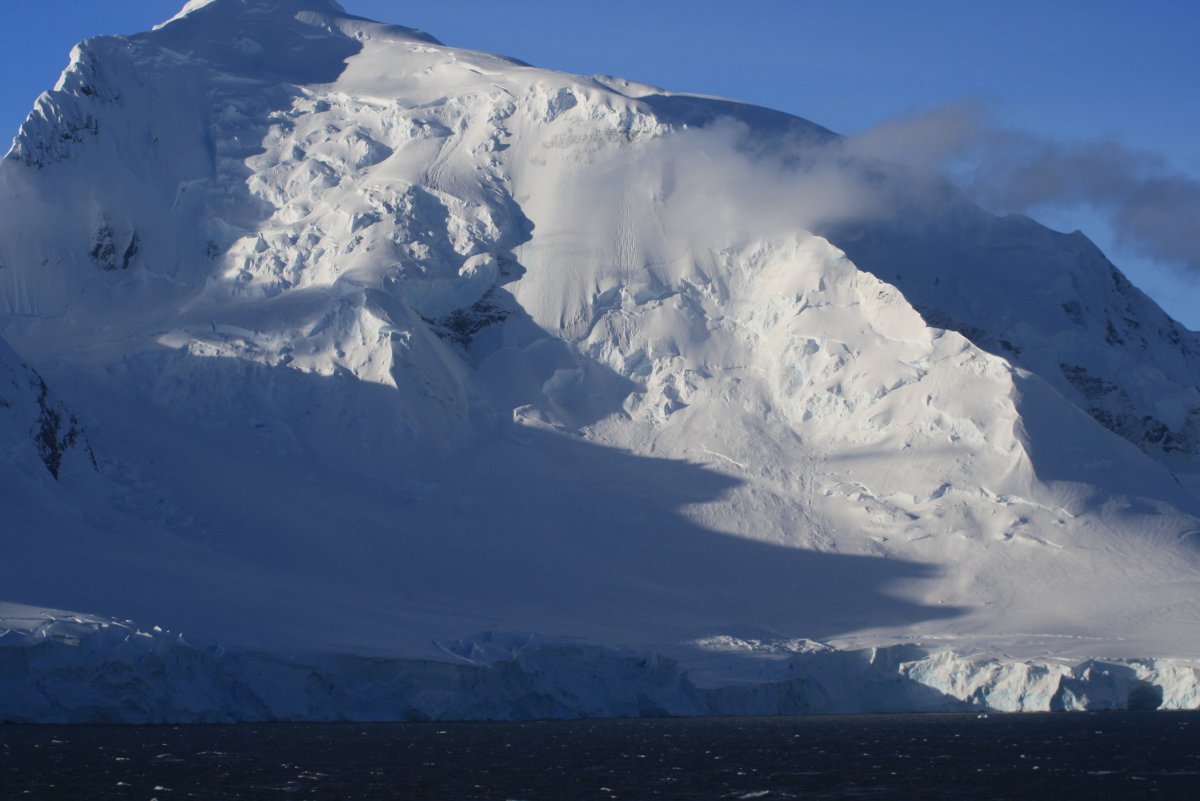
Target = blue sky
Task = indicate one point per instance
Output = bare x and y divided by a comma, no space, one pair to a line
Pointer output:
1058,75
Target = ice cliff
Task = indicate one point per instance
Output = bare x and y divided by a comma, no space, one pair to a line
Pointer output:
66,669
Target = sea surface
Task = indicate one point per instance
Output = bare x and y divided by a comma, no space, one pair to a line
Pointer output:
1113,755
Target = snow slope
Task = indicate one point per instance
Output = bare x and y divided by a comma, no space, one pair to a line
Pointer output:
388,350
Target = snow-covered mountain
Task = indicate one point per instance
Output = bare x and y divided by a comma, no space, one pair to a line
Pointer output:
425,382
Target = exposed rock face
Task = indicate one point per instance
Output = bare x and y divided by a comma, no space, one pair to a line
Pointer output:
33,420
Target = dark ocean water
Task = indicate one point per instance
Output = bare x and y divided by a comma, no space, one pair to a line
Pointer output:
1116,755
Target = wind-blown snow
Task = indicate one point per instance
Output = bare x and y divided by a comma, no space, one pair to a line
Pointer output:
380,344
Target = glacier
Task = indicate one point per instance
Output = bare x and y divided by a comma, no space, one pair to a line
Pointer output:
59,667
357,376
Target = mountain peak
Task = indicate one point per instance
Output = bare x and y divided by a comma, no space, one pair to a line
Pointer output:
288,7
